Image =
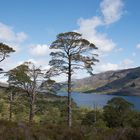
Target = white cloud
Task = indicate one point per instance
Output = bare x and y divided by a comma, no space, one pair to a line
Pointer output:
8,35
90,24
107,66
11,63
88,30
40,50
43,63
126,63
112,10
102,67
138,46
103,43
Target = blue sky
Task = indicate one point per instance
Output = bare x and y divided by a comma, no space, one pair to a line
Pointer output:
112,25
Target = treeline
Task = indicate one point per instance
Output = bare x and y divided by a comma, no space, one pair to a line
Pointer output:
116,121
52,109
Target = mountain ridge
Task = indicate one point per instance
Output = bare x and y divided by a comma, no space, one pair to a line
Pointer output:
120,82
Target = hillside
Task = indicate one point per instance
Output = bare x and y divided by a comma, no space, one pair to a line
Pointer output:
122,82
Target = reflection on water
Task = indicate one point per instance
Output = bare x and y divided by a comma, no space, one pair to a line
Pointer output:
90,100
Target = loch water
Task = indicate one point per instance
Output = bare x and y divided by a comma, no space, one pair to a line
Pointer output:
100,100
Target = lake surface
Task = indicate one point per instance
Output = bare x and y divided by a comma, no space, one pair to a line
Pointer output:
90,100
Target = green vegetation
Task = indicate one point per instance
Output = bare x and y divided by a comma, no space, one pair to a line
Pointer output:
116,121
117,112
20,131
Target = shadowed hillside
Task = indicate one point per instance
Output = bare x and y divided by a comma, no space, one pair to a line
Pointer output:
126,82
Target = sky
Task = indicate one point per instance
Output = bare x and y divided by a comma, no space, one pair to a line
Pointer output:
29,26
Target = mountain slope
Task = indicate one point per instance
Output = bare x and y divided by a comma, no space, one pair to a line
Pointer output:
123,82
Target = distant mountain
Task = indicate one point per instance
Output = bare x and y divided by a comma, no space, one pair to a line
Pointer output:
122,82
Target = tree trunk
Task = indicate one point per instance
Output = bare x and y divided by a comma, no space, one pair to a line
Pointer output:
31,113
69,96
10,106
